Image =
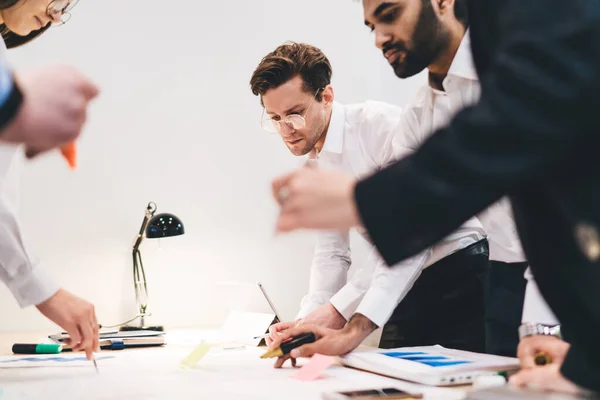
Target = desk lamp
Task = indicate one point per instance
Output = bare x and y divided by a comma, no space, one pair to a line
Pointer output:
153,227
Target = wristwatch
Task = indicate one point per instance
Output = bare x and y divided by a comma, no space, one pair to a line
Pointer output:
531,329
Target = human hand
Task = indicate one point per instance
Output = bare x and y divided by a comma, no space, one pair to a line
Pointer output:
332,342
546,378
326,316
77,317
54,109
529,346
315,199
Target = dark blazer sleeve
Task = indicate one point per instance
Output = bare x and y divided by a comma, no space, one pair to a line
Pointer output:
12,99
539,104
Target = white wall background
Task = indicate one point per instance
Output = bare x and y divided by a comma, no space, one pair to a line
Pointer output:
177,124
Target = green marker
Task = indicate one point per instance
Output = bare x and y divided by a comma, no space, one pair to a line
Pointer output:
20,348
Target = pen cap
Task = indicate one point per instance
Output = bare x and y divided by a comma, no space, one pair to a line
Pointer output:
297,341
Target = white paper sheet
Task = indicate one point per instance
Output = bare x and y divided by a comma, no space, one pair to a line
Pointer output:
242,327
50,360
156,374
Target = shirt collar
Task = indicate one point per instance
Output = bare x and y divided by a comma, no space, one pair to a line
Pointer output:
334,140
462,64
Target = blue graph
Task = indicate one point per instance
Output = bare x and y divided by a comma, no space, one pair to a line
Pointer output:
432,360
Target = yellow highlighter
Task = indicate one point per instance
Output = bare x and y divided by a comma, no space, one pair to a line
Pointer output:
542,358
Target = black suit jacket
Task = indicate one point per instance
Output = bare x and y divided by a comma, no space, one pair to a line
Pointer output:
534,136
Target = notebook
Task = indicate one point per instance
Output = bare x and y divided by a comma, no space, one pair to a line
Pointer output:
61,337
430,365
121,340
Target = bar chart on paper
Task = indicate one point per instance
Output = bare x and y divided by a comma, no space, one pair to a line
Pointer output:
431,365
426,358
44,361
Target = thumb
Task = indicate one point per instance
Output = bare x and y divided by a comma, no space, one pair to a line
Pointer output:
518,379
31,153
307,350
527,357
528,361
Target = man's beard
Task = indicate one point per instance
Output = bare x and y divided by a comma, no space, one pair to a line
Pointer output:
310,144
429,37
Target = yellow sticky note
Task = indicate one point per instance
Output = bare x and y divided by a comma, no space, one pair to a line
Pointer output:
196,355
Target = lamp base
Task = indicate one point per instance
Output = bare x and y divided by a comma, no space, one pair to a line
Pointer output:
128,328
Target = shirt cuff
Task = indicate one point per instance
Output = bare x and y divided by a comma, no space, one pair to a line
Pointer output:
347,299
535,308
34,288
377,306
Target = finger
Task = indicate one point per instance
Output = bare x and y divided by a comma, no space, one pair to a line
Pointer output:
96,332
294,361
89,89
299,330
308,350
280,361
275,332
527,361
282,326
287,222
526,354
86,339
519,379
74,338
94,340
31,153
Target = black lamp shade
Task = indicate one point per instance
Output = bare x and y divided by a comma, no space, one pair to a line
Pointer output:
164,225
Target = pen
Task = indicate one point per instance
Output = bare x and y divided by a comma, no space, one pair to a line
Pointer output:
261,337
290,344
95,363
22,348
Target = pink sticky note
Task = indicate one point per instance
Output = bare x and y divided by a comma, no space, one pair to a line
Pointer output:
313,369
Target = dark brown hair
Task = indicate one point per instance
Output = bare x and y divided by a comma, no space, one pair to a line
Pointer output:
11,39
288,61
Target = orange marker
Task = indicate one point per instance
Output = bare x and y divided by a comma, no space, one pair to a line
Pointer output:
69,152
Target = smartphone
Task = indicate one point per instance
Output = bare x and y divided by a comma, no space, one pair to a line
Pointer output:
372,394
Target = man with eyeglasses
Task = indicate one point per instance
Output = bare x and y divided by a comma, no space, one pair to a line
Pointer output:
437,294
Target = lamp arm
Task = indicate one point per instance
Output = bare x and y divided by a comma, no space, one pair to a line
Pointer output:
139,275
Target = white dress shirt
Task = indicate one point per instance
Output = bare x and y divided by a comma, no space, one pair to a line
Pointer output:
536,309
462,89
434,109
29,283
361,139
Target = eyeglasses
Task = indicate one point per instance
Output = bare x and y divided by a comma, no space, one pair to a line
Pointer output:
59,11
293,121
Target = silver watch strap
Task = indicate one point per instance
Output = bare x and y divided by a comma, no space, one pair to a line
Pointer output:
531,329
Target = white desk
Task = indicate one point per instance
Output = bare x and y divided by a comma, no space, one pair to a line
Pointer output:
154,373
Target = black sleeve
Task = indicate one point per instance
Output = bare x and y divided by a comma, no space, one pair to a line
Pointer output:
539,104
11,106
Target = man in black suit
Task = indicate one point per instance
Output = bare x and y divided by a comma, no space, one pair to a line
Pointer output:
532,136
